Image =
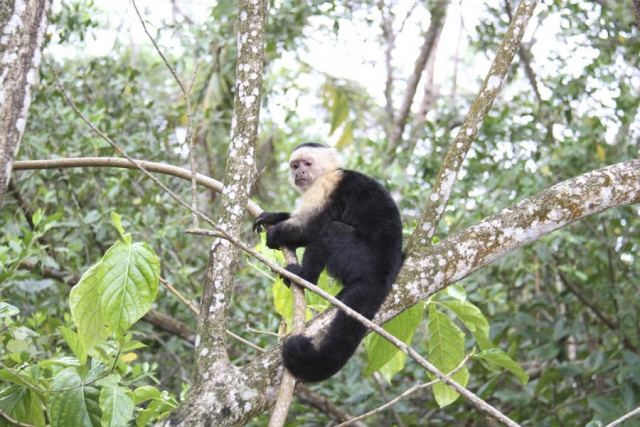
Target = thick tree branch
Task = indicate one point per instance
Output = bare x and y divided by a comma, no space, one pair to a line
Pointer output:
430,269
23,24
211,352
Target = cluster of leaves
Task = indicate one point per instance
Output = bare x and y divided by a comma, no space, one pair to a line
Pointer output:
98,385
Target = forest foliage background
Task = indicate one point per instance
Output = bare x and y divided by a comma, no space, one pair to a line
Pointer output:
565,307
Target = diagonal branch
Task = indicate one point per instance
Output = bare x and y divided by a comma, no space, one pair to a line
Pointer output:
431,269
435,206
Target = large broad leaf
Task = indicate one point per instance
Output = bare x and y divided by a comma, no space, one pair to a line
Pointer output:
446,352
383,355
22,405
116,403
86,312
473,319
116,292
129,284
75,404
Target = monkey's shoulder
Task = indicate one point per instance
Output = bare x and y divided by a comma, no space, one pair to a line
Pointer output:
357,187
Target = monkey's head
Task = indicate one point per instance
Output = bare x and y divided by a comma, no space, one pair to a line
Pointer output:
308,162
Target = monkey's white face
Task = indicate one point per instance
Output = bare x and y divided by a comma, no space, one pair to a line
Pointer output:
305,170
307,164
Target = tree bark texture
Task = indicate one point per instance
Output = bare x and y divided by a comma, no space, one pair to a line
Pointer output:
222,394
23,24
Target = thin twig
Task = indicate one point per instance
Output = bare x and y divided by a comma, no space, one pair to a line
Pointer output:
624,418
403,396
179,295
378,380
257,331
185,96
196,311
12,421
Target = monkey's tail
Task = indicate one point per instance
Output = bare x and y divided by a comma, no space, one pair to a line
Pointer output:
311,363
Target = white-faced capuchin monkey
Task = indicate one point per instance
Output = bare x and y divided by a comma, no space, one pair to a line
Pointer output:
349,224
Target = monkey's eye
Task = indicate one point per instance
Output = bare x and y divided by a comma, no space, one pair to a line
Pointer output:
307,164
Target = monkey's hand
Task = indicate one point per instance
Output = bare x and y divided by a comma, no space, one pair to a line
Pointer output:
266,219
292,268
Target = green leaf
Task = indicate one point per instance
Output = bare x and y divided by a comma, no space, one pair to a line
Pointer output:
159,407
75,344
115,293
117,405
347,136
117,222
283,301
393,366
22,405
8,310
76,404
473,319
446,352
497,357
315,301
129,284
340,112
384,354
84,303
458,292
144,393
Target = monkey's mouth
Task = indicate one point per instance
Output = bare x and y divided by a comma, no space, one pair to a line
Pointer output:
303,182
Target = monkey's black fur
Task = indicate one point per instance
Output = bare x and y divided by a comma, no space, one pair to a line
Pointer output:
357,235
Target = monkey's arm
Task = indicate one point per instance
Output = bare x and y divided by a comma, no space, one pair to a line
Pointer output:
299,231
269,218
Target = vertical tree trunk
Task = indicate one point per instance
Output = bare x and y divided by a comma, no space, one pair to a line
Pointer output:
223,395
23,24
